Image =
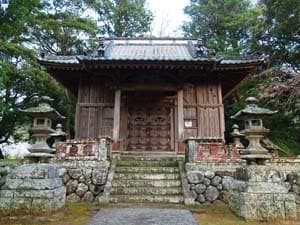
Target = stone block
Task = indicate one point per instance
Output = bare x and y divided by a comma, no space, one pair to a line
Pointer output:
88,197
209,174
87,173
266,187
262,206
260,174
35,171
195,177
201,198
38,194
99,176
81,189
5,203
216,181
33,184
7,193
62,171
290,210
61,191
289,197
200,188
41,207
206,181
3,171
59,202
71,186
20,206
65,178
73,198
2,181
227,182
262,212
277,210
211,194
75,173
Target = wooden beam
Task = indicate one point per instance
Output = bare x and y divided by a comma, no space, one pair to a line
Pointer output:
149,87
180,115
117,112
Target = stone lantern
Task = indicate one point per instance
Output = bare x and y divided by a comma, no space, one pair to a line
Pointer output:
43,115
236,135
254,131
58,135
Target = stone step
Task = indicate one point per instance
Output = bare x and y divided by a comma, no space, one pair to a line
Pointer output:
147,169
147,198
150,163
148,157
146,176
147,190
146,183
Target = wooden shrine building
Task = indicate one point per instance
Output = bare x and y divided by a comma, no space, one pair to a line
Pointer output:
149,94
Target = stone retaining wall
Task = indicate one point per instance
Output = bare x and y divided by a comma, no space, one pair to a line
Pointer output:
84,180
210,182
209,186
31,191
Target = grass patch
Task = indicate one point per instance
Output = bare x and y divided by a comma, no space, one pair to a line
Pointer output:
74,214
220,214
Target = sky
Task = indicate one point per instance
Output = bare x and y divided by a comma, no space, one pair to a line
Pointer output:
168,17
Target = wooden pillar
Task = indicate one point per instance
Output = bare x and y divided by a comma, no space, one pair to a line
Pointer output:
117,110
77,113
180,114
221,112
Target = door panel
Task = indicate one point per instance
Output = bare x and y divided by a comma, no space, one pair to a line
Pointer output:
149,128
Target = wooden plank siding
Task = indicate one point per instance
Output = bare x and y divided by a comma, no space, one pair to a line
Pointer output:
203,110
94,109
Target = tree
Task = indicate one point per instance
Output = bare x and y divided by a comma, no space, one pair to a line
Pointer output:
123,18
62,28
225,25
279,33
20,74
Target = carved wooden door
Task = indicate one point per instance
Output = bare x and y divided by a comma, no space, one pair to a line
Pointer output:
149,128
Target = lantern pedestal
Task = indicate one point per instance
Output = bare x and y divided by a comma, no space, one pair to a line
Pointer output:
255,153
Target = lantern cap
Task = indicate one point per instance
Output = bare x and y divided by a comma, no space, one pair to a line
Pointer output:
252,111
43,109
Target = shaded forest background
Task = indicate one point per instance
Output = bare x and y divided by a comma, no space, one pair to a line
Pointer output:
271,28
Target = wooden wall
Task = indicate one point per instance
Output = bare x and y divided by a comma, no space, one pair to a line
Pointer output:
94,110
203,110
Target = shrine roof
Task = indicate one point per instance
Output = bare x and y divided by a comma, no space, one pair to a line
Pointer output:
176,56
149,50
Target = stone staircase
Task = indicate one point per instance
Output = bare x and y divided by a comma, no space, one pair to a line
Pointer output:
147,180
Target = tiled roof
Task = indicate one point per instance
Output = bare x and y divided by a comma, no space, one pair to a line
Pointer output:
146,50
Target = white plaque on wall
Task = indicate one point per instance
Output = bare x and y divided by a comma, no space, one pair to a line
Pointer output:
188,123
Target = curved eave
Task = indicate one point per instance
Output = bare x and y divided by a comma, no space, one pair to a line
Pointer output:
151,64
230,72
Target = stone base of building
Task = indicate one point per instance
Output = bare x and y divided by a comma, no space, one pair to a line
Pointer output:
261,193
32,191
263,206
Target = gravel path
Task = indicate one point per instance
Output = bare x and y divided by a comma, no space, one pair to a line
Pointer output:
143,216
